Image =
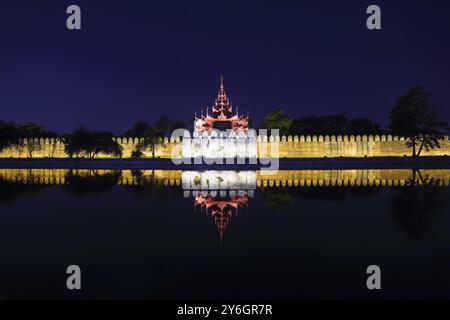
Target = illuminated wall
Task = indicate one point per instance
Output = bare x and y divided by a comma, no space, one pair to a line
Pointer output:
344,146
288,147
54,148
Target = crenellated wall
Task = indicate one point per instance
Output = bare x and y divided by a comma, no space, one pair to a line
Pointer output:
54,148
345,146
288,147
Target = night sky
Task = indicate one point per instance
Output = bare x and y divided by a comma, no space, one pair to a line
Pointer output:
139,60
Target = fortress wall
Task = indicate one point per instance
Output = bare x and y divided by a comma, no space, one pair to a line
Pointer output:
288,147
42,148
54,148
344,146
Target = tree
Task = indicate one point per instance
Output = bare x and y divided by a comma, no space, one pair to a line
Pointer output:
363,126
177,124
323,125
163,125
152,139
137,154
8,134
415,118
33,145
138,130
14,135
85,142
152,136
277,120
31,132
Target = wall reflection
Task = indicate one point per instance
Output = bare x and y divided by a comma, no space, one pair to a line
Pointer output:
283,178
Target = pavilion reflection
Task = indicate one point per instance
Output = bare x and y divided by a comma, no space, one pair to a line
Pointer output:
220,194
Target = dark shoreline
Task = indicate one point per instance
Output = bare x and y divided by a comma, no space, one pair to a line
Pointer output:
284,164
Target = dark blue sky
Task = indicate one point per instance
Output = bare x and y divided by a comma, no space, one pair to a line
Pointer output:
138,60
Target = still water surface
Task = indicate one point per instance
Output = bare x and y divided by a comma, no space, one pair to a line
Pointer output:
224,234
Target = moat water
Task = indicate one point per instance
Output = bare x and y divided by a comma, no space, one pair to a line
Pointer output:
224,234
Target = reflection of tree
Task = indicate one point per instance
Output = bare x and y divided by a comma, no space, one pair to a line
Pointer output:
92,182
149,186
415,205
149,181
136,173
323,194
276,198
9,191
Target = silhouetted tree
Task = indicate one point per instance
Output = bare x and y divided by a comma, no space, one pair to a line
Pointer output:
178,124
363,126
323,125
138,130
137,154
163,125
31,132
84,142
152,136
152,139
415,118
8,134
277,120
13,135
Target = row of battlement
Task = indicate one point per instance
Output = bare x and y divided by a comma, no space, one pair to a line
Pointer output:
120,140
333,138
308,138
290,138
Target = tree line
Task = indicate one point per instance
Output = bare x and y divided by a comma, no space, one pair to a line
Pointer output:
84,142
12,135
412,116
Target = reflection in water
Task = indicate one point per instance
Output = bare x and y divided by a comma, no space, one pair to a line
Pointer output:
222,210
88,182
219,180
155,184
290,178
416,194
415,205
9,192
219,194
280,197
